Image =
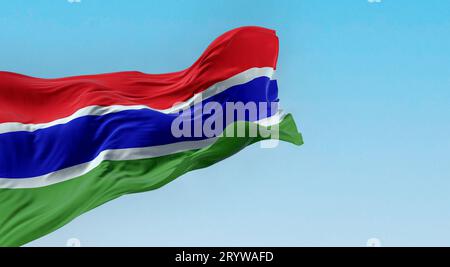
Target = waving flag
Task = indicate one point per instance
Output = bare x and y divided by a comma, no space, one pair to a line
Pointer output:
68,145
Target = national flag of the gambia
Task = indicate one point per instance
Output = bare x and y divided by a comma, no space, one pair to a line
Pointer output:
68,145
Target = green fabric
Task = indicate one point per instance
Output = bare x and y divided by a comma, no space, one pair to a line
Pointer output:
27,214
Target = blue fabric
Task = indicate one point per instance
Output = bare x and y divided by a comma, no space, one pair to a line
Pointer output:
29,154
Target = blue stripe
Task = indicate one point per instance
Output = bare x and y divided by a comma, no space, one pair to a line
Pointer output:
29,154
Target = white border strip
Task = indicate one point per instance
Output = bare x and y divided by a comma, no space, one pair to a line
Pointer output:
119,155
240,78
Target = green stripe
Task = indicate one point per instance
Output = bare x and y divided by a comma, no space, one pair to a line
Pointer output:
27,214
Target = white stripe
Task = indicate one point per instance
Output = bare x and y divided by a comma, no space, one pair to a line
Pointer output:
118,155
240,78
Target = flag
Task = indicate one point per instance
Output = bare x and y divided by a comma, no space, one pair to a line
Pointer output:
68,145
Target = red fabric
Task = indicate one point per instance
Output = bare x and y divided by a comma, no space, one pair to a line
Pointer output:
35,100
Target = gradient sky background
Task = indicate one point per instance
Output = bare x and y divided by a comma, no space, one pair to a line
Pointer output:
368,84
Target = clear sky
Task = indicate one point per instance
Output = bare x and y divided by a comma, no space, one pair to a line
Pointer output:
368,85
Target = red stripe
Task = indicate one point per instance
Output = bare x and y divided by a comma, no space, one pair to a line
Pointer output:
35,100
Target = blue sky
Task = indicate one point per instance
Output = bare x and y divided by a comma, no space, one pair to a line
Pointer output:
368,84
